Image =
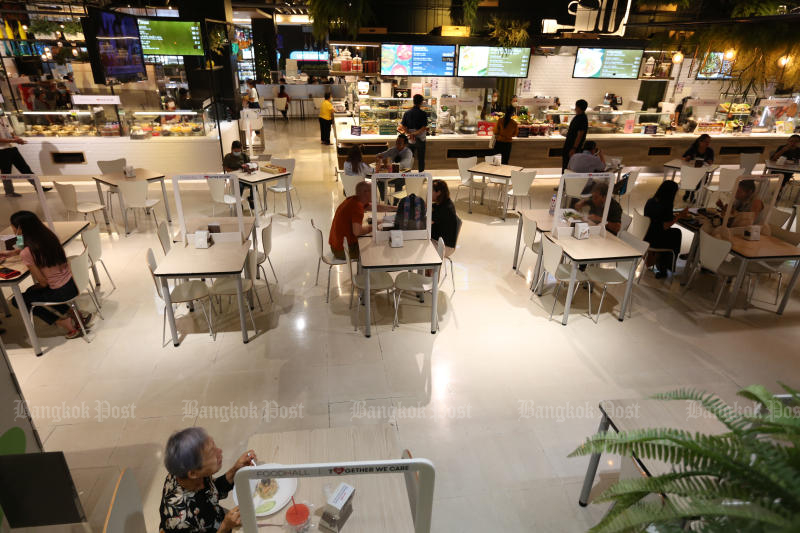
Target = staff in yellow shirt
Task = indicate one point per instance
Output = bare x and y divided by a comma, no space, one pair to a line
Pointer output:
326,119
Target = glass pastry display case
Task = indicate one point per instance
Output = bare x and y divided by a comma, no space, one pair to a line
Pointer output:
186,123
68,123
381,116
617,121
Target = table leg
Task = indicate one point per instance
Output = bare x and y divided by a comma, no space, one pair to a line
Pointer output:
289,210
102,202
4,304
469,204
256,203
519,238
537,271
124,212
628,290
435,302
26,319
690,259
573,274
166,199
737,285
594,460
789,288
367,305
483,190
240,299
168,309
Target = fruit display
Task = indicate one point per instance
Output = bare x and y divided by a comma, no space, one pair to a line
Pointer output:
60,130
728,107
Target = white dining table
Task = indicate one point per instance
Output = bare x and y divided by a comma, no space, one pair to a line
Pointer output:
259,177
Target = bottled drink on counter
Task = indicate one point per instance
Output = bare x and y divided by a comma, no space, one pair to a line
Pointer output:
553,205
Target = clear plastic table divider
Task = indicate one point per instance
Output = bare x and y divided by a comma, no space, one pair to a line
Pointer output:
419,475
379,235
201,177
561,224
37,184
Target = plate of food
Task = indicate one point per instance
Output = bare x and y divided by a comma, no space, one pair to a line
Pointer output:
270,495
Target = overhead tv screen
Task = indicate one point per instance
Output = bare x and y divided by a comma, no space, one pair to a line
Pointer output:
493,61
170,37
115,51
607,63
417,60
716,67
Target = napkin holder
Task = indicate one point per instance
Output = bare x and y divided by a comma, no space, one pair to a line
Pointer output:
396,238
202,239
752,233
337,509
580,230
129,172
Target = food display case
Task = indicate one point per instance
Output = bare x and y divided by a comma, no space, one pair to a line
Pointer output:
381,116
147,124
68,123
620,121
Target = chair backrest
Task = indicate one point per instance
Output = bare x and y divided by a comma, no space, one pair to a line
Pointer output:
91,240
440,248
349,262
521,181
112,166
690,177
633,176
216,187
349,183
317,102
551,255
727,178
319,239
792,237
641,246
528,231
712,251
458,228
280,103
152,265
125,512
68,196
251,266
164,237
626,221
639,226
288,164
134,192
574,187
79,264
266,237
748,162
464,164
778,217
415,187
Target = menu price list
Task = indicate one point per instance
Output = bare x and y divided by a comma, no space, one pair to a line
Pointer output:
620,64
432,61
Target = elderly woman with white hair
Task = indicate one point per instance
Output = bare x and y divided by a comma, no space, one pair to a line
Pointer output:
190,501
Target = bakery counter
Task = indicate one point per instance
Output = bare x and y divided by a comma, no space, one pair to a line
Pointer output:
171,155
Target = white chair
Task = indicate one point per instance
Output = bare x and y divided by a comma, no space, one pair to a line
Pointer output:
328,259
711,255
378,281
779,268
748,162
227,286
626,221
285,184
615,276
79,264
186,292
638,228
164,237
69,197
413,186
521,181
266,242
91,240
778,217
135,195
349,183
448,252
317,103
529,228
278,105
216,187
573,188
633,176
113,166
690,178
414,283
551,263
464,164
727,179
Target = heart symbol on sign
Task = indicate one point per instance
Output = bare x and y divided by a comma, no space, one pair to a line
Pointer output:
338,470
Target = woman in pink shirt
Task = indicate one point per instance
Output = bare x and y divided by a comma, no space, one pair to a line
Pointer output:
44,256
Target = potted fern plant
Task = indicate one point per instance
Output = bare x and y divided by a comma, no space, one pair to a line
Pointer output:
747,479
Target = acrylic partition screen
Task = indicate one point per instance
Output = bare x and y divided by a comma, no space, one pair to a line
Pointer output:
182,218
751,201
593,192
413,216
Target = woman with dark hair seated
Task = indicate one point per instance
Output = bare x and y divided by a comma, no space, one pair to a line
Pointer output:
42,253
661,234
190,500
443,217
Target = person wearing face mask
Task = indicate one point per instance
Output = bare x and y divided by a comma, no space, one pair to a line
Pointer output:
493,106
515,104
191,495
233,162
170,105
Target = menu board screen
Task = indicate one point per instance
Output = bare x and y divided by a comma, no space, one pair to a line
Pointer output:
170,37
608,63
716,67
494,62
417,60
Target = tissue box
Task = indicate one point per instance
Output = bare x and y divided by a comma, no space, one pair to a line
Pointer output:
202,239
338,509
396,239
581,230
752,233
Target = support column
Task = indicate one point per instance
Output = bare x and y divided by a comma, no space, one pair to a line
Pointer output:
265,46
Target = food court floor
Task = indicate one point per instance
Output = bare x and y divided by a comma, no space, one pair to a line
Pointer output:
499,396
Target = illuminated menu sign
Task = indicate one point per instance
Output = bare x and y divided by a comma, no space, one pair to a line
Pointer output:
607,63
417,60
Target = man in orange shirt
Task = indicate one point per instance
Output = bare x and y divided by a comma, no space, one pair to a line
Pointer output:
348,221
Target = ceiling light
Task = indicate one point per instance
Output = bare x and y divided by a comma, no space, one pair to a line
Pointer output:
784,60
549,26
730,54
677,57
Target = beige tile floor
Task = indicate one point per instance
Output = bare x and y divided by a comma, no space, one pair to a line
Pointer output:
496,470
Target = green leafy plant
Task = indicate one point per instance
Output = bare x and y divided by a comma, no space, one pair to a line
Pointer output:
42,27
464,12
72,27
509,33
338,16
747,479
218,39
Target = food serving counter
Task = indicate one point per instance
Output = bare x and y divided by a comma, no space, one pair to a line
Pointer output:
636,149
